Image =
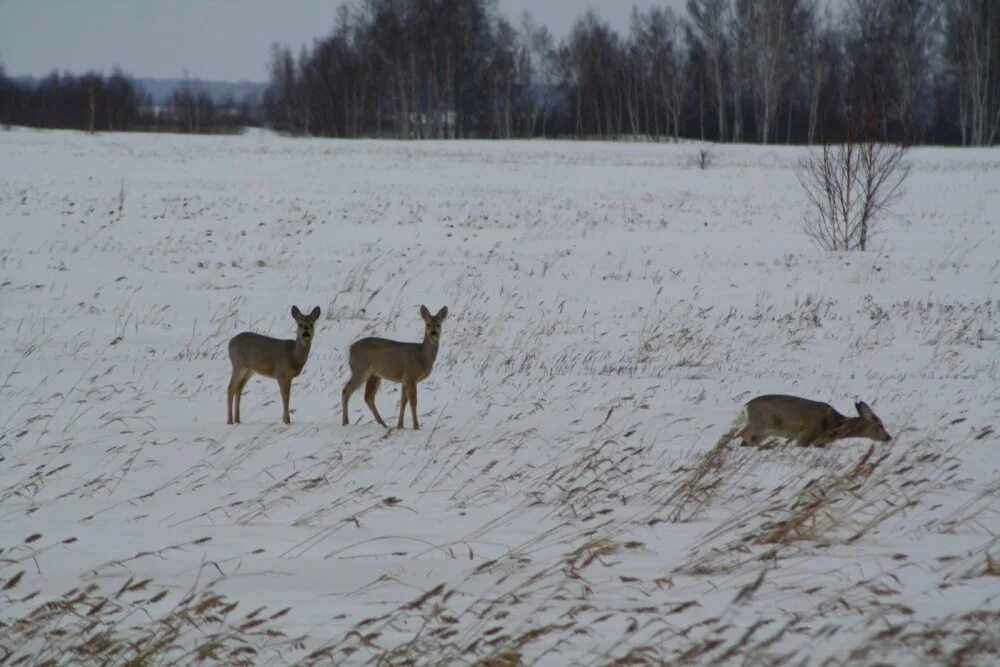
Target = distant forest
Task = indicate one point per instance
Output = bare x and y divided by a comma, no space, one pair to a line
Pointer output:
768,71
95,102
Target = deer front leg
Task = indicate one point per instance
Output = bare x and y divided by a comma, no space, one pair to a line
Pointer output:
285,384
750,438
402,405
411,395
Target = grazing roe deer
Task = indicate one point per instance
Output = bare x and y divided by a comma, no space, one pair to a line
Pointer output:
271,357
375,359
809,423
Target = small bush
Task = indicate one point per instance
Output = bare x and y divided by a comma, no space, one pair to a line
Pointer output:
850,185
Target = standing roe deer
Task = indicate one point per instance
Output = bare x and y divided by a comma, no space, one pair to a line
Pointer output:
809,423
271,357
375,359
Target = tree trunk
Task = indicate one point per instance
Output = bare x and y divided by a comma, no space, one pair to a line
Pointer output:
90,117
701,107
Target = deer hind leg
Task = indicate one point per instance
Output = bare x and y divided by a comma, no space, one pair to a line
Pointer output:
411,396
236,385
371,388
356,380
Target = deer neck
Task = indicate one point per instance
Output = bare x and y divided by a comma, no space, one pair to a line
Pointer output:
430,350
851,427
300,353
848,427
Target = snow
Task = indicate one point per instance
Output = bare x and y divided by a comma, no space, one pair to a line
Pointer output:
612,307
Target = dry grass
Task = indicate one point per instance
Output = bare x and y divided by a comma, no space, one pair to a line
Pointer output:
810,514
694,489
139,623
967,639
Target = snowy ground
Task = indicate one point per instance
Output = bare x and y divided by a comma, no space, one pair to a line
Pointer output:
612,307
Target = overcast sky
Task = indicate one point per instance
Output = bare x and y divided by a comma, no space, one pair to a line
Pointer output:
210,39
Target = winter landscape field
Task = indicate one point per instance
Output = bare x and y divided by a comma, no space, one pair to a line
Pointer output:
572,497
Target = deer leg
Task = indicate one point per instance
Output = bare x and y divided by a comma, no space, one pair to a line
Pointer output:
809,438
244,378
352,385
411,395
230,392
749,438
370,390
402,405
285,385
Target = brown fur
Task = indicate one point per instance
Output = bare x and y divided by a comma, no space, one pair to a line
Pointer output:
375,359
809,423
282,360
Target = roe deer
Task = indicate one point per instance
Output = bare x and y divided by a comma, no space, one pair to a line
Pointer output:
279,359
375,359
809,423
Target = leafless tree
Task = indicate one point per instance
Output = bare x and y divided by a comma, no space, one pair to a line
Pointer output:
709,23
501,73
891,46
819,69
772,62
537,75
591,59
739,40
973,52
655,79
850,186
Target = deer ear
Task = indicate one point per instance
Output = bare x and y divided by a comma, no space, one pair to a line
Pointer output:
314,315
864,410
443,313
424,313
296,313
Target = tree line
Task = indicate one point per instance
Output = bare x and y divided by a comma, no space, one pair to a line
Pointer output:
95,102
769,71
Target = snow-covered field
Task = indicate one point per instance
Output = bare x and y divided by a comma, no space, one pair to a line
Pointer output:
571,498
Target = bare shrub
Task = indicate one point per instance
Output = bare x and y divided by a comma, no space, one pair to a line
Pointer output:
703,159
850,185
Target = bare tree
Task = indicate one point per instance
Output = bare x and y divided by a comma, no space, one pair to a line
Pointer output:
591,59
973,52
914,30
739,39
671,77
283,99
822,50
501,72
654,80
890,46
772,60
709,23
850,186
537,75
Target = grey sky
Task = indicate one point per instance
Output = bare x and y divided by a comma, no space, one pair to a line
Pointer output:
210,39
